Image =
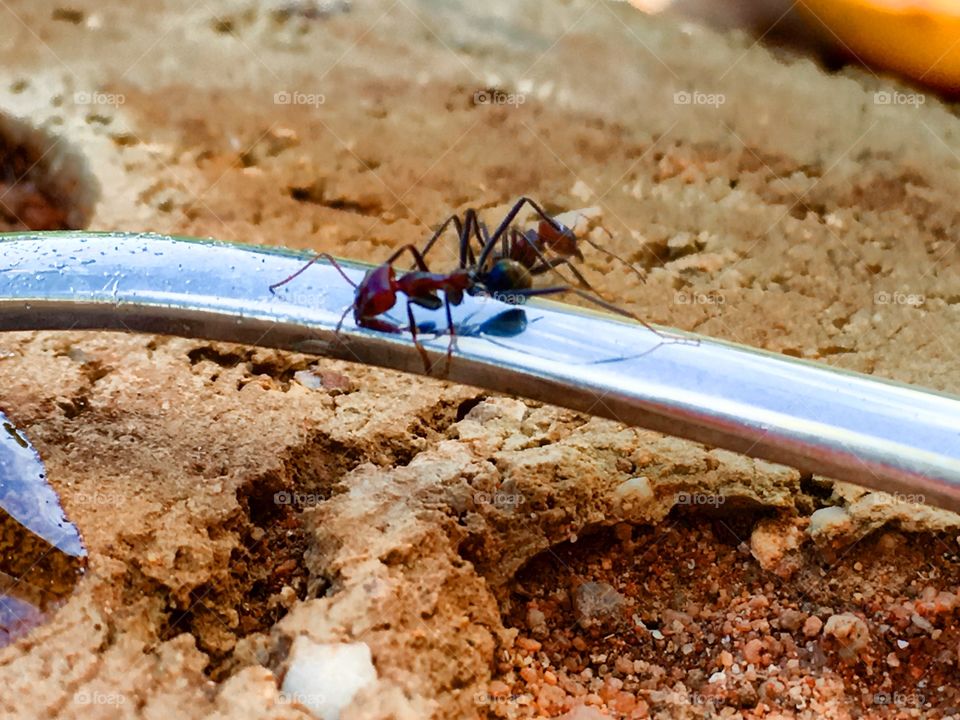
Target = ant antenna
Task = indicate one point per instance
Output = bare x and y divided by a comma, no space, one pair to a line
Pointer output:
597,246
319,256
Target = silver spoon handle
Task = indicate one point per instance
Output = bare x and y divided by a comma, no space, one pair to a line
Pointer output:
882,435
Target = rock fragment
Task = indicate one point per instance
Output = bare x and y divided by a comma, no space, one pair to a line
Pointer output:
598,604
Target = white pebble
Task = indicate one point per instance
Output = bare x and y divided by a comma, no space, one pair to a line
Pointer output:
634,491
324,677
829,521
581,191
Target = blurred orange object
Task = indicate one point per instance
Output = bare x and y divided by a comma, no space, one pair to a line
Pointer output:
919,38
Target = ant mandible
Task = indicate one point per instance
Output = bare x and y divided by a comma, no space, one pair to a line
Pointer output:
506,275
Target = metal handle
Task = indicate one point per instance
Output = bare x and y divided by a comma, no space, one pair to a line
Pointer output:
883,435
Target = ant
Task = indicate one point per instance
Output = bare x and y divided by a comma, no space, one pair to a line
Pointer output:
506,275
377,294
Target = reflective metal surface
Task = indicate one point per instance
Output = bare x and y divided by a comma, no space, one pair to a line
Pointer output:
27,498
42,556
846,426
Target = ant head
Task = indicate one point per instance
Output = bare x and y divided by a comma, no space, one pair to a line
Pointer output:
377,292
559,238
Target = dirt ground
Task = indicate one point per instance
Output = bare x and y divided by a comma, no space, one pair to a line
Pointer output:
499,558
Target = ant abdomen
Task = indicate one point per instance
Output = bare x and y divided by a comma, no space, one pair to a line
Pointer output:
506,275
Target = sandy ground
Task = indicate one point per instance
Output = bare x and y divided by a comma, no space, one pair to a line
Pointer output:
499,558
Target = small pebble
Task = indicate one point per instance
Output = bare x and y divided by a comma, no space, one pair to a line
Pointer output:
752,650
850,631
812,626
791,619
537,622
598,603
585,712
528,644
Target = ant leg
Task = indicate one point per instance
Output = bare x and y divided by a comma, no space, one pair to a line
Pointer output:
336,330
517,206
473,227
541,212
319,256
505,223
458,226
483,232
550,265
427,365
466,228
508,240
384,326
452,329
554,263
610,307
417,256
639,273
464,233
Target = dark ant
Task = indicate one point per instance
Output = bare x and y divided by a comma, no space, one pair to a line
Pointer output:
526,248
506,275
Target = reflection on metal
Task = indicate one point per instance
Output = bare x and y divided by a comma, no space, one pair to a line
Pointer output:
41,554
847,426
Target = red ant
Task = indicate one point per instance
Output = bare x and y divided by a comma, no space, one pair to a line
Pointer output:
377,294
506,276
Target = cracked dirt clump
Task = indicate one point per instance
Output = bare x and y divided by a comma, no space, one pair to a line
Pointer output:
236,502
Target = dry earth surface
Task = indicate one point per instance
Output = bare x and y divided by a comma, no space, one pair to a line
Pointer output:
499,558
